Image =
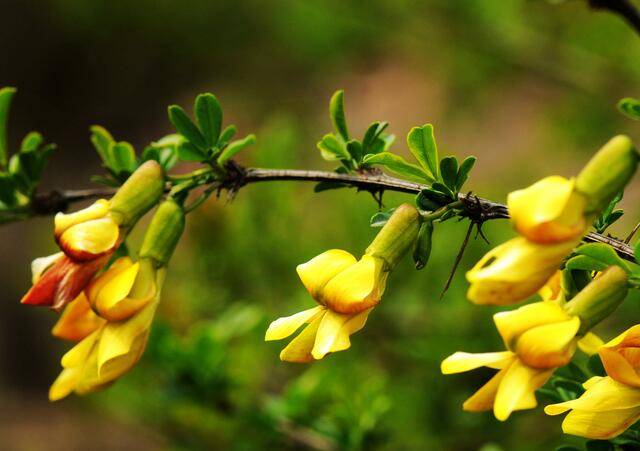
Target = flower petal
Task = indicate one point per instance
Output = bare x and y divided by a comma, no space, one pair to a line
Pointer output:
483,399
520,382
89,239
40,265
602,395
77,321
315,273
465,361
62,221
590,343
600,425
356,288
548,345
64,384
299,350
351,326
512,324
328,333
285,326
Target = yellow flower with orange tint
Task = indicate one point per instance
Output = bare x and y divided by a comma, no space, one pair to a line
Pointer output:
610,404
346,289
549,211
540,337
515,270
77,320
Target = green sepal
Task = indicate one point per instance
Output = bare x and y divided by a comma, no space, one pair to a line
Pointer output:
6,95
422,246
163,233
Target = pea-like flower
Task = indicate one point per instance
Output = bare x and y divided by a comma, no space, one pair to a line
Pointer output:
540,337
515,270
610,404
549,211
89,237
346,290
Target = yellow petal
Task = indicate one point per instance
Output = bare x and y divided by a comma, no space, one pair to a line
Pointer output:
64,384
79,354
299,350
515,270
600,425
512,324
88,239
618,367
40,265
315,273
115,289
351,326
62,221
519,381
283,327
552,290
77,320
484,398
356,288
549,211
328,333
549,345
464,361
591,382
590,343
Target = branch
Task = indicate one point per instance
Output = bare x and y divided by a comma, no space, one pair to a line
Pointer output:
623,8
54,201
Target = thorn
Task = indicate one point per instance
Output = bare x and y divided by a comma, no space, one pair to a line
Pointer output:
457,260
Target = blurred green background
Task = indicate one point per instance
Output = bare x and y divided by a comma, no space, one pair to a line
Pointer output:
529,87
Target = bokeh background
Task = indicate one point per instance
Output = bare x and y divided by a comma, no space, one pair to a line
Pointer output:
529,87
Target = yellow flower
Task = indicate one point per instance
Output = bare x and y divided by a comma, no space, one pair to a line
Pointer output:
346,289
515,270
77,320
549,211
540,337
610,404
114,346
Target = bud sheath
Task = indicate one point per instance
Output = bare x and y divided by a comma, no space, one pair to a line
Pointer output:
163,233
138,194
397,235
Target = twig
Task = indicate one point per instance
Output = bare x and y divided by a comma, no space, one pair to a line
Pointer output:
54,201
627,240
623,8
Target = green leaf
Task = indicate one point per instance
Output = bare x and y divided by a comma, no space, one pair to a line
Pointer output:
636,252
103,142
338,118
333,149
599,445
463,171
227,134
6,94
444,189
567,448
449,171
398,165
7,189
438,198
186,127
630,107
124,158
371,135
423,147
355,150
31,142
422,245
585,263
189,152
382,144
232,149
326,186
595,366
602,253
209,115
424,202
380,218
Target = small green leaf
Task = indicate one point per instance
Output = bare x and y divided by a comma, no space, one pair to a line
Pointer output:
463,172
585,263
7,189
124,158
6,94
636,252
444,189
424,202
338,118
422,246
398,165
333,149
449,172
372,134
232,149
186,127
355,150
227,134
438,198
630,107
567,448
602,253
422,145
380,218
594,364
599,445
189,152
103,142
31,142
382,144
326,186
209,115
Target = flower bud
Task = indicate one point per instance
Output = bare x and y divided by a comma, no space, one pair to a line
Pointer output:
138,194
163,233
599,299
422,246
607,173
397,235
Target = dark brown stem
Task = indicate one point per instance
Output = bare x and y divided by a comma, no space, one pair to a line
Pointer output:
54,201
624,8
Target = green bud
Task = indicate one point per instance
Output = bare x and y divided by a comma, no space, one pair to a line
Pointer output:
422,245
138,194
397,235
607,173
163,233
599,299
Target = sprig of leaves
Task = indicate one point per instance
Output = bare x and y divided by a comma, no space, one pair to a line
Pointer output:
20,173
609,215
